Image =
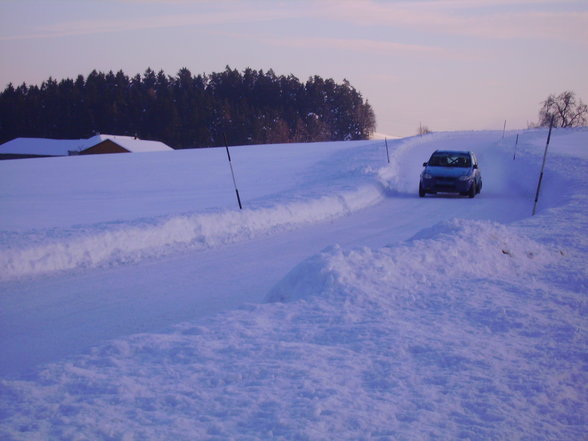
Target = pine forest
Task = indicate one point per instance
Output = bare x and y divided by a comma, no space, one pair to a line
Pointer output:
188,111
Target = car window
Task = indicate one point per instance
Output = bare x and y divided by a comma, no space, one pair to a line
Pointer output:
438,160
462,161
450,160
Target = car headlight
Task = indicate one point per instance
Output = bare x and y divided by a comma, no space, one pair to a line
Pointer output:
427,176
465,178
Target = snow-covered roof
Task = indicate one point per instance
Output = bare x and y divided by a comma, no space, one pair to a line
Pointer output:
63,147
134,145
41,146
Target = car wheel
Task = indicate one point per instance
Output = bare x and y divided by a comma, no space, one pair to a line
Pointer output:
422,192
472,193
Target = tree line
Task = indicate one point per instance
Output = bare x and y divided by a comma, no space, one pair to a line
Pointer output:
186,111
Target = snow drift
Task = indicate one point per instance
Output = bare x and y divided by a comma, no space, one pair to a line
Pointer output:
454,249
127,242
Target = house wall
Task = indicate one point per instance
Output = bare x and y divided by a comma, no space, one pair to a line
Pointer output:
106,146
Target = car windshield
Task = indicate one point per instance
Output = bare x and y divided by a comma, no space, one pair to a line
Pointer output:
450,160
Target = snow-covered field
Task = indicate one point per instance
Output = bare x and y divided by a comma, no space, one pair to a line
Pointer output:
138,303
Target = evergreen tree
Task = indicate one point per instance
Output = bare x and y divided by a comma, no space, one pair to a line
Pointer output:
249,107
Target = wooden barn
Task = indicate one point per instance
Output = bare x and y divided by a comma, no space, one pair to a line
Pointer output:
106,146
99,144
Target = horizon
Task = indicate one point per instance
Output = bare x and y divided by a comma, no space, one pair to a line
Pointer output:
448,64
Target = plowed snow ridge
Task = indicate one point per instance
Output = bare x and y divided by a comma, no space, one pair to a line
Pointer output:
135,241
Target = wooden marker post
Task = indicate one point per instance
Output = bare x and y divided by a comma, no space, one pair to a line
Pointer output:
542,168
233,173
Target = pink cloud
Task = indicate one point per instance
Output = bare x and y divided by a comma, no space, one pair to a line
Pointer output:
357,45
466,18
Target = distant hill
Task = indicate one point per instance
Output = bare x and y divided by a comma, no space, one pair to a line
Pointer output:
186,111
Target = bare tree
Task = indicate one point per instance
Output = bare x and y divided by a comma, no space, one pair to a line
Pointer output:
423,130
565,109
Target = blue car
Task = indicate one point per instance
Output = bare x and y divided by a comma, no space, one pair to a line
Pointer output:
451,171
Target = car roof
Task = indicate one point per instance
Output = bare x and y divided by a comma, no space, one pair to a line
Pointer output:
453,152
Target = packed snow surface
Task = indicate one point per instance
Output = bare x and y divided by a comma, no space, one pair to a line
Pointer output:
137,302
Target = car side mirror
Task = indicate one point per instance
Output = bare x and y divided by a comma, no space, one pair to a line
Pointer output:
475,166
424,164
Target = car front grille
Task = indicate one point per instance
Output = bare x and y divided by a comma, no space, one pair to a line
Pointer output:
446,182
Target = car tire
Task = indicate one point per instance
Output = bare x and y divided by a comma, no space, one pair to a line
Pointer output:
473,191
422,192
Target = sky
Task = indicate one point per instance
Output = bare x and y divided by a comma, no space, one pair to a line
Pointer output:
443,64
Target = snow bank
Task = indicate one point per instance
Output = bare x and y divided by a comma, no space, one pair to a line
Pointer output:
455,249
126,242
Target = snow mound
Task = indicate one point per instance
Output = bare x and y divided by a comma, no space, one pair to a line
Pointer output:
457,249
111,244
